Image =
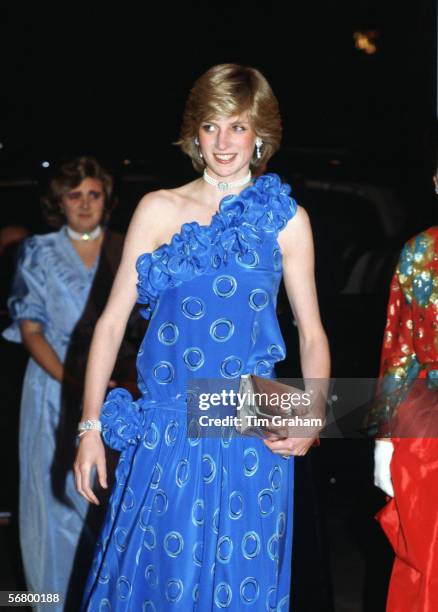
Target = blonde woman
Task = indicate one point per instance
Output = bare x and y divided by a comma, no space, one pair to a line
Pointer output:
202,522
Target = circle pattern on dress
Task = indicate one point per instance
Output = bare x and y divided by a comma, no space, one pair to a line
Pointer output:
263,367
123,587
163,372
174,590
198,549
231,366
225,285
249,590
195,593
182,472
266,502
224,549
258,299
198,513
194,358
276,351
161,502
273,547
281,524
156,476
120,538
151,437
235,505
277,259
223,595
193,307
251,544
250,259
221,330
151,576
168,333
150,539
275,477
208,468
128,502
173,543
171,432
250,461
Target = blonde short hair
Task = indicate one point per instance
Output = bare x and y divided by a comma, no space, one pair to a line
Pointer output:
227,90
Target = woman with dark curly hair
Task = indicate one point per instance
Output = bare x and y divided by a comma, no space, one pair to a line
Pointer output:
61,284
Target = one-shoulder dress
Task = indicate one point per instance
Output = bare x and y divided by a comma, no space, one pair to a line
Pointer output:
198,522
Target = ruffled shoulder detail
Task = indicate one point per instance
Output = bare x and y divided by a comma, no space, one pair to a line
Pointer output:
28,294
240,224
121,419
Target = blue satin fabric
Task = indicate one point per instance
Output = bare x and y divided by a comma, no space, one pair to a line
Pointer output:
51,287
200,523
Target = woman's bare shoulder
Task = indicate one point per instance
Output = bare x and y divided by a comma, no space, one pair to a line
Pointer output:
156,202
165,202
296,226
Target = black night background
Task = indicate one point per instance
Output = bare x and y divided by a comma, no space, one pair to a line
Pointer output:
356,82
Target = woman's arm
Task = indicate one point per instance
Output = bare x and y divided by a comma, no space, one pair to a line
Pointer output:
141,237
40,350
296,243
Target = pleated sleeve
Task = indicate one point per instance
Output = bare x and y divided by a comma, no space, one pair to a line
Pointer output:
29,289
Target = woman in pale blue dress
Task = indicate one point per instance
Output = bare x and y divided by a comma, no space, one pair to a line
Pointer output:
202,522
50,294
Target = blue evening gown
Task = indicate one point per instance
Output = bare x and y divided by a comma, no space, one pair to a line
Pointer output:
51,286
200,523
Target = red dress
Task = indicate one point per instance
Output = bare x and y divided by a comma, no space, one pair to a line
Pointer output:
410,363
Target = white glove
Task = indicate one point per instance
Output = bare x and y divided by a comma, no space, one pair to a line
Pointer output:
382,460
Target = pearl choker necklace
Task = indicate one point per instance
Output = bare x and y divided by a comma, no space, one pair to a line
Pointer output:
84,235
223,185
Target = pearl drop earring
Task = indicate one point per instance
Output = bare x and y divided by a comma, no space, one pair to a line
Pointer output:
258,144
196,141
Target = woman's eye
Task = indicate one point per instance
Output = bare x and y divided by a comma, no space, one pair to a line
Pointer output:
239,128
75,195
95,194
208,127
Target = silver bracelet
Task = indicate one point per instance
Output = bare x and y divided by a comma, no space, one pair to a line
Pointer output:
85,426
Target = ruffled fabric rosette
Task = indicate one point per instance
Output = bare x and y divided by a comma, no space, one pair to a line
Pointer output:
122,419
240,224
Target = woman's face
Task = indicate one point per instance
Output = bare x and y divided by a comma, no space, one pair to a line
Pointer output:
227,145
83,206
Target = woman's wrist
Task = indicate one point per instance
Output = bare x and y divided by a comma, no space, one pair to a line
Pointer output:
89,433
89,425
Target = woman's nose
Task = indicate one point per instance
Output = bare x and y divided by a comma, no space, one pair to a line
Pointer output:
221,140
85,201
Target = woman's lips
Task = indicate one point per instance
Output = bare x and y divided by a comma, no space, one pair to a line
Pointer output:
224,158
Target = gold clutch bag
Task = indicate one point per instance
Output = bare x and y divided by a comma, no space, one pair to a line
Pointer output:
268,407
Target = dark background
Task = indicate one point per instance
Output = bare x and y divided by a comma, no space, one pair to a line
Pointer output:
113,81
358,149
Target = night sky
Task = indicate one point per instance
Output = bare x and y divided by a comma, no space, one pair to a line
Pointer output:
114,82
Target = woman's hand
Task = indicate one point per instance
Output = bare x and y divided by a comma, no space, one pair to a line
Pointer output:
91,452
382,466
40,350
289,446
